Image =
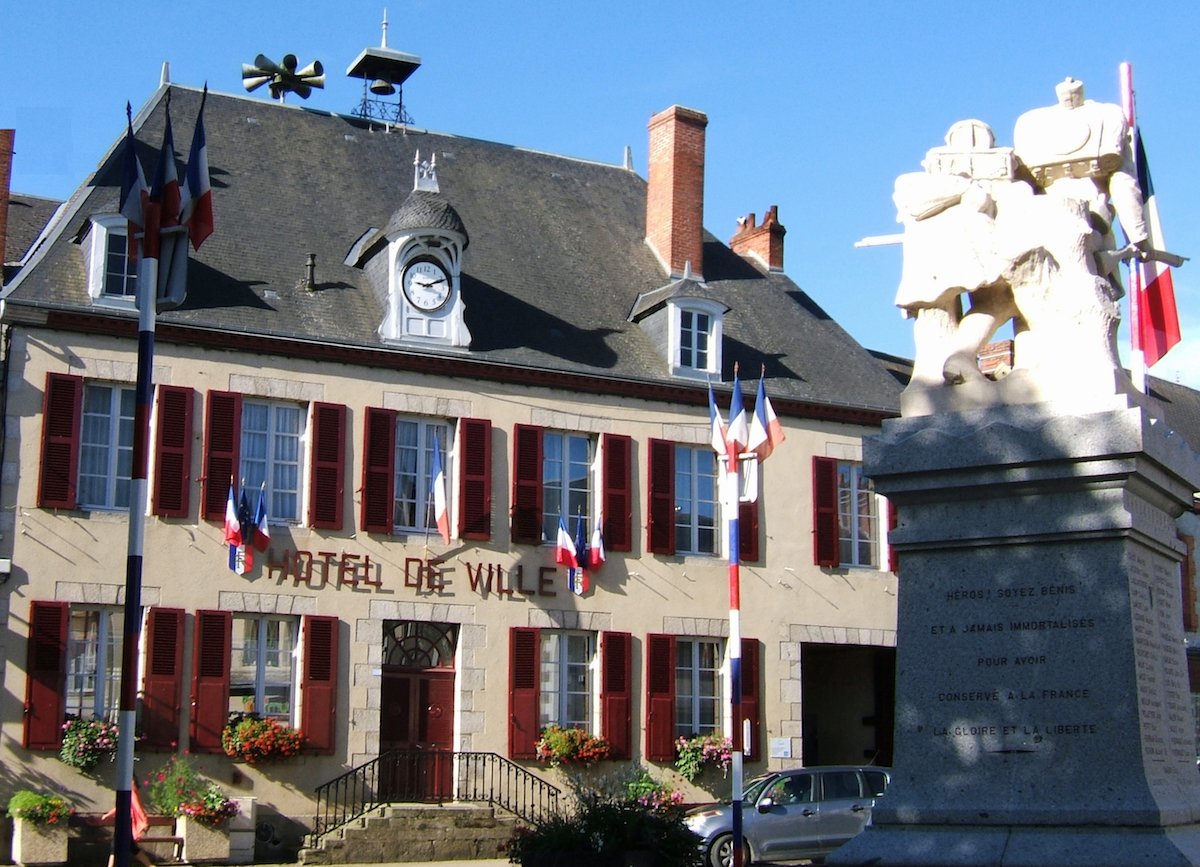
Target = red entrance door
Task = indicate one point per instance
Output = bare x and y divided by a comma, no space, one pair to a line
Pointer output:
417,723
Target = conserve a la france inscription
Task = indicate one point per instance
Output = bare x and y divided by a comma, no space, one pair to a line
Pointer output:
1004,681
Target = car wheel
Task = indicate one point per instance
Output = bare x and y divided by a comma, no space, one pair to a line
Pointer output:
720,853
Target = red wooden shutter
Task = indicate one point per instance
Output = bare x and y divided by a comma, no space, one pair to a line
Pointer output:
475,479
825,512
210,679
893,521
661,507
379,468
748,550
46,671
62,409
617,497
222,447
524,661
328,466
751,697
660,698
173,452
319,683
616,692
162,688
527,485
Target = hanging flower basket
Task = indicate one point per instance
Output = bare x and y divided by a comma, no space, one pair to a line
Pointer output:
87,741
696,753
560,746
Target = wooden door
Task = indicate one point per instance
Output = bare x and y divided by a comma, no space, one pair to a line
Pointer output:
416,729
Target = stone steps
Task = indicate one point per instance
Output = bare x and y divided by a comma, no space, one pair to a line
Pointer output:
415,833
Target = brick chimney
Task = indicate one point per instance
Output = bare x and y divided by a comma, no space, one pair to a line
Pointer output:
6,155
764,242
675,194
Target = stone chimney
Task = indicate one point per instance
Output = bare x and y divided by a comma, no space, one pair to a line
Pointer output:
764,242
996,359
6,155
675,194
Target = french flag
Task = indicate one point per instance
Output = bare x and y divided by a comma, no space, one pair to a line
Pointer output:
596,546
196,211
565,553
162,207
262,532
441,514
765,430
233,529
737,434
133,186
717,426
1158,317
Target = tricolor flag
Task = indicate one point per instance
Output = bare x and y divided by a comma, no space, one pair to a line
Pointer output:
717,426
596,546
737,434
246,522
565,553
437,483
1157,318
577,576
133,186
162,206
262,532
765,430
233,529
196,211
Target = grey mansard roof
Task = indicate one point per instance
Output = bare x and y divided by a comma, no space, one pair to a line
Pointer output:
556,262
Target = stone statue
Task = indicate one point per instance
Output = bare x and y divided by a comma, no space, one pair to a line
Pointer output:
1026,234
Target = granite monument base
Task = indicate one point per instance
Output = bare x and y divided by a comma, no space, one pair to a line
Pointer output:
1043,713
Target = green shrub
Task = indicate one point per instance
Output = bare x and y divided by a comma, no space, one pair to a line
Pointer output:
38,808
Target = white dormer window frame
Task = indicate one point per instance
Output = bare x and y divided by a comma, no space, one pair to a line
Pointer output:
112,278
695,329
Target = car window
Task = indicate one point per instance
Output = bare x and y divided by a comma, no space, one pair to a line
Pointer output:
752,791
876,782
840,785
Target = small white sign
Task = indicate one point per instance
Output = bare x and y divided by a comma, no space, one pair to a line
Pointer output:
781,748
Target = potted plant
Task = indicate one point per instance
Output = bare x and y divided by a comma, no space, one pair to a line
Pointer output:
39,827
695,753
87,741
203,825
252,739
573,746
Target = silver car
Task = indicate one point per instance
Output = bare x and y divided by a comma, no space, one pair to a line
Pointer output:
789,815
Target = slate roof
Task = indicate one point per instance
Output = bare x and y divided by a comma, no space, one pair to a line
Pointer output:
556,262
27,216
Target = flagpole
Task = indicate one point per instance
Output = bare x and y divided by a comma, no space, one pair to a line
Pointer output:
733,493
1137,353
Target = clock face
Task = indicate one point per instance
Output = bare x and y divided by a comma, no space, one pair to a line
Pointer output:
426,285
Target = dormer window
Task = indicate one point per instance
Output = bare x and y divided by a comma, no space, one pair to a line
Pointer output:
695,334
112,277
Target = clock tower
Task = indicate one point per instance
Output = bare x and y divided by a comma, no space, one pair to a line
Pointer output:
425,243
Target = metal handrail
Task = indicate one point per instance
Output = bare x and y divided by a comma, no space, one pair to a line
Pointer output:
432,776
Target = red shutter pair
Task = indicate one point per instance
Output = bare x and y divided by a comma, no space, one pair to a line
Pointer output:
616,697
660,698
660,531
474,474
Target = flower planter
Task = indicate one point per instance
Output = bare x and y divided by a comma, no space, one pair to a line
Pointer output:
35,843
203,842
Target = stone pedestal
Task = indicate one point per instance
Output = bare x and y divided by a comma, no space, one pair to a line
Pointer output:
203,843
1043,714
34,843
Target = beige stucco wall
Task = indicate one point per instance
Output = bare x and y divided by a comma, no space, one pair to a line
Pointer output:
80,556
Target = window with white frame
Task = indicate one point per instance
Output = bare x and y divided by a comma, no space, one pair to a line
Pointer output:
697,516
94,642
695,336
271,454
106,446
413,485
858,519
567,678
567,460
698,686
112,276
262,666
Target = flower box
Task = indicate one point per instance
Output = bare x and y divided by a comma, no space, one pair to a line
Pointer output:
203,842
37,843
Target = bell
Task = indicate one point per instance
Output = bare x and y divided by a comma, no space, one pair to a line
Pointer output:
382,87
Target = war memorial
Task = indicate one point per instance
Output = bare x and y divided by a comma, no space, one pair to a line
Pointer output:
1043,714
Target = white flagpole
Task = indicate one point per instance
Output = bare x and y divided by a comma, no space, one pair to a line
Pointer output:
1137,355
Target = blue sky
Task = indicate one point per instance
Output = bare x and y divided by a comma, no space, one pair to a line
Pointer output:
812,107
